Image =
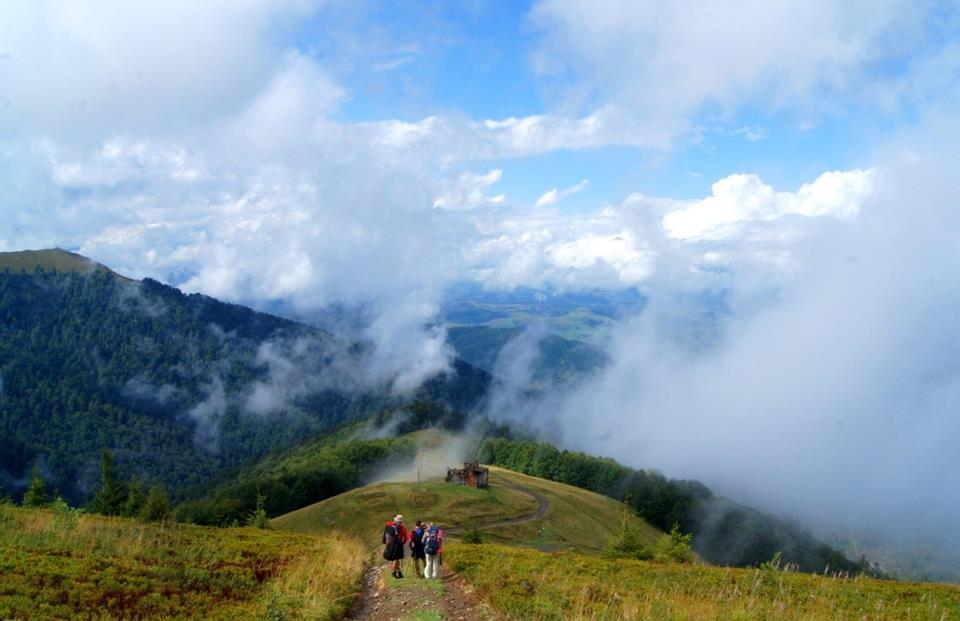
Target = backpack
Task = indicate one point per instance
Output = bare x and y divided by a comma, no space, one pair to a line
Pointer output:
389,534
431,541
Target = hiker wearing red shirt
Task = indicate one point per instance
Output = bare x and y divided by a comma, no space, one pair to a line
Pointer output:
395,536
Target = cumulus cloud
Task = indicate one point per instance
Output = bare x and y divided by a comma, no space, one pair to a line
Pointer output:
554,195
468,191
832,395
669,61
79,70
452,138
739,199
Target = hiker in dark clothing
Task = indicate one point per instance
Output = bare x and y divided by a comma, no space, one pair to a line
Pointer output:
416,548
395,537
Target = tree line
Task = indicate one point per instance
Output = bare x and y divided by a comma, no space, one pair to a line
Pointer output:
723,532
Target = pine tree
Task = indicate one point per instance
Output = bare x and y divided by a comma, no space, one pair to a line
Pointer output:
36,494
112,495
135,498
156,508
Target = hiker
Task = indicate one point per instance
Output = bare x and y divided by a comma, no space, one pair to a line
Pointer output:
433,549
395,536
416,548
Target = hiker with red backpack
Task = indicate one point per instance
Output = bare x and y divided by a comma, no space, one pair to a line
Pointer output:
395,537
433,550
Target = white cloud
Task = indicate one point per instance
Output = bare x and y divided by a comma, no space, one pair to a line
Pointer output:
81,69
449,139
667,62
393,63
740,199
752,133
468,191
620,252
828,390
553,195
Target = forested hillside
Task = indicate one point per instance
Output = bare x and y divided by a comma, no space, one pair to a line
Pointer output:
559,360
724,532
177,386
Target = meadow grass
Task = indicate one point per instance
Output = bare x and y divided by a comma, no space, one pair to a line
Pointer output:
576,519
58,565
363,512
527,584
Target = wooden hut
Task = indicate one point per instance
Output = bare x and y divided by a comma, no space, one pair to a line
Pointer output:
472,474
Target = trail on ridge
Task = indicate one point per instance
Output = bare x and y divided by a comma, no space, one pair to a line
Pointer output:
402,599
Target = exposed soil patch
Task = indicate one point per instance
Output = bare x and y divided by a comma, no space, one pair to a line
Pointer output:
386,599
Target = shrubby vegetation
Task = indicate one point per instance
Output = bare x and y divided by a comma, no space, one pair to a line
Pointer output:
58,564
723,532
293,479
521,583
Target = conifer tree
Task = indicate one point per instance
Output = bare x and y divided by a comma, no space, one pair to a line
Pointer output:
36,494
112,495
156,507
135,498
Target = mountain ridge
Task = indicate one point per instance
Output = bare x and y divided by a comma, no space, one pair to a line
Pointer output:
178,386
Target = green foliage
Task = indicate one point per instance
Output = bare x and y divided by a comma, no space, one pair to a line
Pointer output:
36,494
774,564
91,359
520,583
114,568
276,607
112,495
629,543
472,534
660,501
258,517
65,518
422,415
561,360
156,507
135,498
724,532
293,479
674,547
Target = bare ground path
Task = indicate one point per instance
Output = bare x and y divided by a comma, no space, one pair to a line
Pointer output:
412,598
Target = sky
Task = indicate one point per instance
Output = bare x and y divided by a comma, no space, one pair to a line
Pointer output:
794,158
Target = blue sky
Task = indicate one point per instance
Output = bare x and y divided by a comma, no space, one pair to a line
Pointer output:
413,60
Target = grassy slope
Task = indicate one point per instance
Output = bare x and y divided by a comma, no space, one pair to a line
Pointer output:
57,565
577,519
53,259
527,584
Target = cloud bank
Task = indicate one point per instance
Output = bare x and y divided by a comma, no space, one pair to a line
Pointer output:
828,393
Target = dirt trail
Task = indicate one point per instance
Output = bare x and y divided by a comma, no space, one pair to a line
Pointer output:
543,505
402,599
